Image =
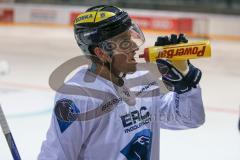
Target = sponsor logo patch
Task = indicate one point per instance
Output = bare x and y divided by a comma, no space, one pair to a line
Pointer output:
135,119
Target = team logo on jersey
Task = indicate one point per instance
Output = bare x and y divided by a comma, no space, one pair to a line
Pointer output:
66,113
136,119
139,147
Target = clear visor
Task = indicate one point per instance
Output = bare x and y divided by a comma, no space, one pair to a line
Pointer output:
125,42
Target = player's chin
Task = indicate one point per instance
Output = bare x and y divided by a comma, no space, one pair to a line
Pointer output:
131,68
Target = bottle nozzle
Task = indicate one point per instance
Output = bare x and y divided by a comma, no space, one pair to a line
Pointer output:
145,55
142,56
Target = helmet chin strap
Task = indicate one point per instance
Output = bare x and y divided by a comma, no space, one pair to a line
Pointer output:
119,76
108,64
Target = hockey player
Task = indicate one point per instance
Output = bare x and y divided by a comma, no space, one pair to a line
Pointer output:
118,113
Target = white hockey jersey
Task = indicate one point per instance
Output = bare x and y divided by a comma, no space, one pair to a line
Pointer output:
96,120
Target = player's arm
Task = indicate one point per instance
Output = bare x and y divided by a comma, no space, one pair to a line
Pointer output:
65,135
181,108
180,111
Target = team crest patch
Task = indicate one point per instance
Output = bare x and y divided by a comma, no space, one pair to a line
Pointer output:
139,147
66,113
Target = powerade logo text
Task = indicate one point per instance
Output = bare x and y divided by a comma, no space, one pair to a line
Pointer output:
135,119
181,51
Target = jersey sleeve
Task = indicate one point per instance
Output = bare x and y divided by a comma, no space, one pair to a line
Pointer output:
180,111
65,135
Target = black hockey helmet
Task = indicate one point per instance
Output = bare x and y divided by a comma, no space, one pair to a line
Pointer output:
99,25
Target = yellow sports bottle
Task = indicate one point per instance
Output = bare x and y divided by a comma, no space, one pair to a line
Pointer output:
183,51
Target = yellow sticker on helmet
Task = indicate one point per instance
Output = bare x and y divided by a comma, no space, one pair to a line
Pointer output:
102,15
85,17
93,16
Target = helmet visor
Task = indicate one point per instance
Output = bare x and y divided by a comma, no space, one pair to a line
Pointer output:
125,42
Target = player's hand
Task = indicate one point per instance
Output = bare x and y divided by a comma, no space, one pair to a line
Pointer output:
178,76
174,80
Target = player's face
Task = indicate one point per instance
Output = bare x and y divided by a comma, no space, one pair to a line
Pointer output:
123,56
123,48
123,53
124,62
